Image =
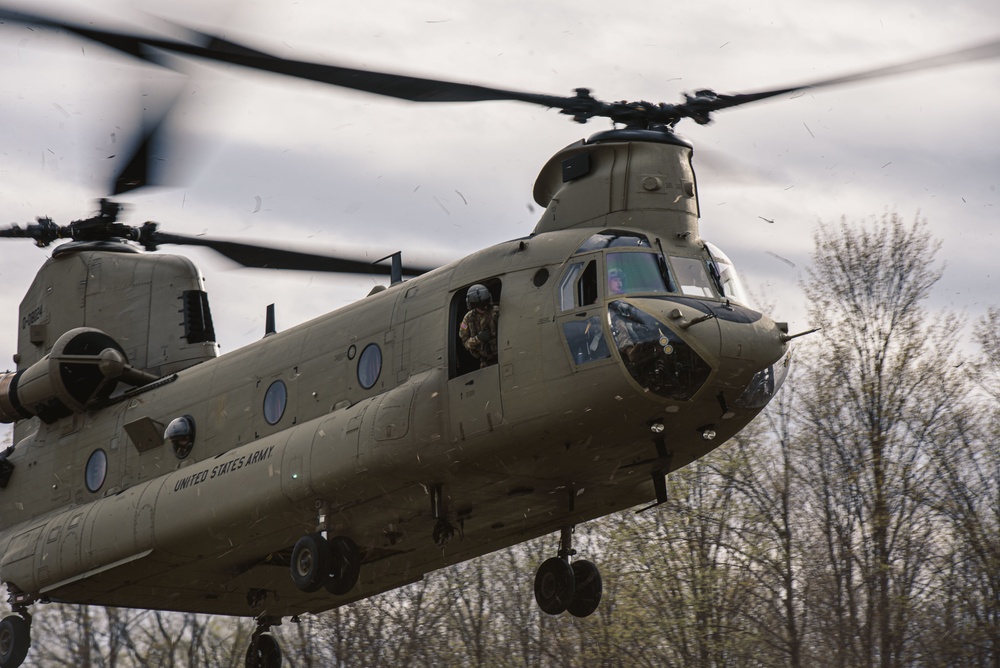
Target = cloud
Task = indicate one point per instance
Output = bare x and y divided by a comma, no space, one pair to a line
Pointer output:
266,158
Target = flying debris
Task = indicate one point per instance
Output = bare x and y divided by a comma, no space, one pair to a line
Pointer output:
457,411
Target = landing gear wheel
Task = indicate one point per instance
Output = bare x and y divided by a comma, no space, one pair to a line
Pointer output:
588,588
263,652
554,585
15,639
310,562
345,565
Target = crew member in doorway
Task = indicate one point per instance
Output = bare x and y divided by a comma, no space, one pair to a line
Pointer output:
479,326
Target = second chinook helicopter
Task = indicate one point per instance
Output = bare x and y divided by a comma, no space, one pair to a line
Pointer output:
361,450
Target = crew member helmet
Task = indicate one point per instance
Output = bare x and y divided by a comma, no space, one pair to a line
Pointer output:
478,295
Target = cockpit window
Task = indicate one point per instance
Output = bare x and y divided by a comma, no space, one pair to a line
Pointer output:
692,274
765,384
657,358
579,286
637,272
729,281
612,239
586,340
567,288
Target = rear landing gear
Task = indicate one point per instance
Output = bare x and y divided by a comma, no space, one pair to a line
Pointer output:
15,639
561,586
264,650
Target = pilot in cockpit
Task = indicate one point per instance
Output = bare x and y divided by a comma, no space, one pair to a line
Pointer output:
616,282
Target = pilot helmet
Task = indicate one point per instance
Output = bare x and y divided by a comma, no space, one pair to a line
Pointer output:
180,434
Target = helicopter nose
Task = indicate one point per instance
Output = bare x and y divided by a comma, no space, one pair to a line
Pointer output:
749,342
673,347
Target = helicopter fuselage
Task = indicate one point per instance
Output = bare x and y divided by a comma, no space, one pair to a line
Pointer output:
375,423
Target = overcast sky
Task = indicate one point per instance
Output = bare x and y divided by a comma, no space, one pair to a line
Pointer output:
263,157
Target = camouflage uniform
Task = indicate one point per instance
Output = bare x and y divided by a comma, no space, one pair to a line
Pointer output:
621,331
474,323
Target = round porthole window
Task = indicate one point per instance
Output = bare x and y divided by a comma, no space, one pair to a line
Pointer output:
97,470
369,365
180,434
275,400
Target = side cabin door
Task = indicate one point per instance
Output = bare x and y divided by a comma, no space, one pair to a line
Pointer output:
473,389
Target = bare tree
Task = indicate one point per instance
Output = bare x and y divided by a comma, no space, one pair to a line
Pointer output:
967,494
772,535
690,580
881,382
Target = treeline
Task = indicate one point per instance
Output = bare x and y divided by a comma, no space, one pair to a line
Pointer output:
855,524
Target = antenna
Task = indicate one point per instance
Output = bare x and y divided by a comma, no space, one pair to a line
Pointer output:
269,322
396,271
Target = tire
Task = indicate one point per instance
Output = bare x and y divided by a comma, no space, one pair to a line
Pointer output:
588,588
15,639
554,586
310,562
345,565
263,652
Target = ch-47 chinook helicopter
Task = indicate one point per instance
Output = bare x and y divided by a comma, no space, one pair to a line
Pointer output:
361,450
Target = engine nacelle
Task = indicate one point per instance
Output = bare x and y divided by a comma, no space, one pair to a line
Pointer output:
83,367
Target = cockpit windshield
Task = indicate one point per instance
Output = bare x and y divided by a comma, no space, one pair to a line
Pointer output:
729,281
711,277
634,267
693,276
630,273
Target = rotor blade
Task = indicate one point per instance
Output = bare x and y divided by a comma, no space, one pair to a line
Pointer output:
983,51
263,257
137,169
582,106
419,89
133,47
136,172
210,47
414,89
144,161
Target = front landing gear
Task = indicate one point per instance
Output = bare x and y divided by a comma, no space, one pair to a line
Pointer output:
15,639
588,588
561,586
554,585
264,650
